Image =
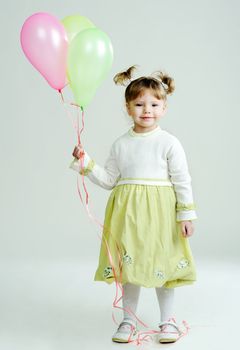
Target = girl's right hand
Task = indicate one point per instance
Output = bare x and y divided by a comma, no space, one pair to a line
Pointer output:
78,152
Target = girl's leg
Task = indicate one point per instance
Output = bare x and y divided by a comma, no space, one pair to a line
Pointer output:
127,327
130,300
165,299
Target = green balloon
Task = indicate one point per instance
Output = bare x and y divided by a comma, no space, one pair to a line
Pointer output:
75,24
90,58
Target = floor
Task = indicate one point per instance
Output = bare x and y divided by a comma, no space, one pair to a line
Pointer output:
58,306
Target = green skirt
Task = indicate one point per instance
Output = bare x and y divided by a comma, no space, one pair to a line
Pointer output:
145,241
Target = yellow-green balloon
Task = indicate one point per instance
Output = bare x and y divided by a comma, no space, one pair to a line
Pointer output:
75,24
90,58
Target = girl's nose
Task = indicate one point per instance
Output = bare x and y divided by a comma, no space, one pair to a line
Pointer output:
146,109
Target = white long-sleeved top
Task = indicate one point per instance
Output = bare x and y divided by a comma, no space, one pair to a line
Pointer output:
151,158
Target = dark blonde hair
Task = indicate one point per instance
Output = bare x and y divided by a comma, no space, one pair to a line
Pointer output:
161,84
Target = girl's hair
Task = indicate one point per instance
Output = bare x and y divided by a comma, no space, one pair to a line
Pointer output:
160,83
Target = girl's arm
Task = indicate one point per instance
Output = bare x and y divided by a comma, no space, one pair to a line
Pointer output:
181,180
105,177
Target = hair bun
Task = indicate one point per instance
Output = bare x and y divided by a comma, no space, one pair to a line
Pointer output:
123,77
166,80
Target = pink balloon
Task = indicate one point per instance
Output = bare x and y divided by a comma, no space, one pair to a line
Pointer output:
44,42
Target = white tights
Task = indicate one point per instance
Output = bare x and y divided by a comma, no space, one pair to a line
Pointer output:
131,296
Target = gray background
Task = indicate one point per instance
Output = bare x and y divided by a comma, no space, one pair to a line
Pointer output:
42,219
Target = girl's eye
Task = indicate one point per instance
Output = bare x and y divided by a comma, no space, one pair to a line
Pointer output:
155,105
138,104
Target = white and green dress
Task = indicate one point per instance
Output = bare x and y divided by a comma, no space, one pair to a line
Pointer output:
151,194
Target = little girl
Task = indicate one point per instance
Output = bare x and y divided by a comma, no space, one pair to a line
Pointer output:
149,213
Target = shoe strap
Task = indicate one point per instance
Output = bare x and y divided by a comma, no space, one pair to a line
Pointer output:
129,322
170,324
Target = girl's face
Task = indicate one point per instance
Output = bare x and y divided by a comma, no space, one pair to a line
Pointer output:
145,111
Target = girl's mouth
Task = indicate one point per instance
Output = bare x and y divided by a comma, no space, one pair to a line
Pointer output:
146,118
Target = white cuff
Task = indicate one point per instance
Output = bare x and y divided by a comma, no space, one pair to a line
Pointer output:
76,163
185,215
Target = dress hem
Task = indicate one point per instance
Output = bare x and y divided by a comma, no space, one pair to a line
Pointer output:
167,284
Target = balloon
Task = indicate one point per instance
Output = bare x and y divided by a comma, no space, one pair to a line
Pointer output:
44,42
75,24
90,58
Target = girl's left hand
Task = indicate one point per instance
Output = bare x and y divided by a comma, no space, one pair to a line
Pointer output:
187,228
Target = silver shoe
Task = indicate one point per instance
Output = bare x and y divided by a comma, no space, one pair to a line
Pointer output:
126,332
169,334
